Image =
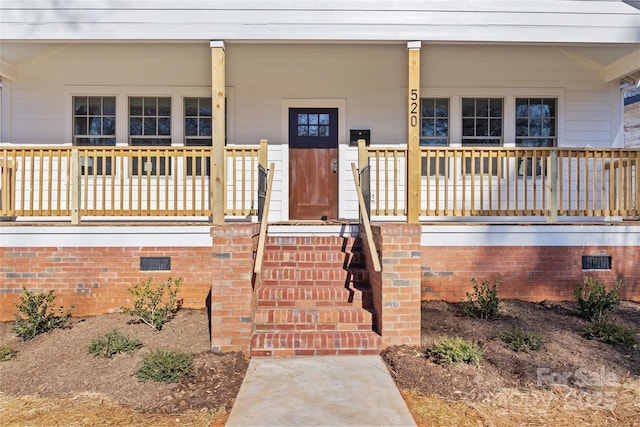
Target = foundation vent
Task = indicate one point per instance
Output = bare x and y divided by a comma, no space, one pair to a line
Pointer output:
155,263
596,262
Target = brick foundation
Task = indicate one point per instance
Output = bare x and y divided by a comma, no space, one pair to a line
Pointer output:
531,273
96,279
396,289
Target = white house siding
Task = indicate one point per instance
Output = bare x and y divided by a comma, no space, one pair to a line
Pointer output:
438,20
367,81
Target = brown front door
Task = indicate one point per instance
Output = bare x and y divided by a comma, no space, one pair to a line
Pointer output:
313,163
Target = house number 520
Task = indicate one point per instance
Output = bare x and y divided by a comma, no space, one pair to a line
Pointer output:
413,108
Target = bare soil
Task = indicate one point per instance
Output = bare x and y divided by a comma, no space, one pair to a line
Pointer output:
57,365
572,381
54,380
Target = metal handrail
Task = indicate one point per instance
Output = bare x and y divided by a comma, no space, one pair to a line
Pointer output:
264,223
365,219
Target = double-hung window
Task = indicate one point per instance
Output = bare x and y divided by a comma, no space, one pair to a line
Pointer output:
434,131
482,125
94,124
197,131
536,121
482,122
150,125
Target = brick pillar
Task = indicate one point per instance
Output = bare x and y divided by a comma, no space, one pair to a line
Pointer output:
232,301
396,289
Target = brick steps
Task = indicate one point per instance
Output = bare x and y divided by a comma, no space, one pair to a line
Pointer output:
313,298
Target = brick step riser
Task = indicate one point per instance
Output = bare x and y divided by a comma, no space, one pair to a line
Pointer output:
332,241
312,283
314,352
314,343
312,316
309,327
309,296
295,273
319,259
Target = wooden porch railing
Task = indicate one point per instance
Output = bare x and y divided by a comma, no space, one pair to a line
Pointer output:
373,252
499,182
79,182
264,223
124,181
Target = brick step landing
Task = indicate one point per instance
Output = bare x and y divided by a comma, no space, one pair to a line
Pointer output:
315,343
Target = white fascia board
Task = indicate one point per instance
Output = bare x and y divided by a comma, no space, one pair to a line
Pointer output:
530,235
105,236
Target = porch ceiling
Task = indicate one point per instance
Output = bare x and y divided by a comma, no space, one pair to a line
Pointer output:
613,61
604,34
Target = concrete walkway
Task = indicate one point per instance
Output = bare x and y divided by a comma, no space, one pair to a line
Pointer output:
319,391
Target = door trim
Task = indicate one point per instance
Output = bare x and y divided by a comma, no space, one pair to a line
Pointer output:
341,105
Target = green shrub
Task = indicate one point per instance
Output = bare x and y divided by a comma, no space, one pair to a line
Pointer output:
594,301
36,314
610,333
150,304
7,352
483,303
457,350
113,343
165,366
519,340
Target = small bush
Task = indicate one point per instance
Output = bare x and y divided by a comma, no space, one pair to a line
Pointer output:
457,350
165,366
594,301
150,304
519,340
113,343
7,352
610,333
483,303
36,314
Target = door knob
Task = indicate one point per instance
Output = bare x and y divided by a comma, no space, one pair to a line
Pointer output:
335,165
